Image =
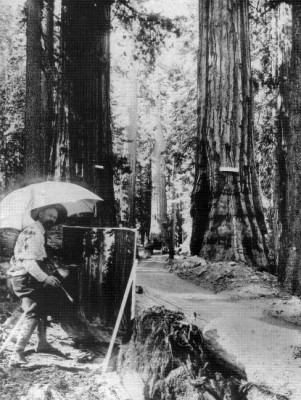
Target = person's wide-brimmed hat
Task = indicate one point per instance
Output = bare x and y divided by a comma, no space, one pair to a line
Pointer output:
62,212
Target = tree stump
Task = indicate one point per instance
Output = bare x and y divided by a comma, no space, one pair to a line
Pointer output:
100,261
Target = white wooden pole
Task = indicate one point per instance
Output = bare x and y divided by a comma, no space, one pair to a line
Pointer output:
126,294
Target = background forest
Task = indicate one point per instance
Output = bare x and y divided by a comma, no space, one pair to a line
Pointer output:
183,116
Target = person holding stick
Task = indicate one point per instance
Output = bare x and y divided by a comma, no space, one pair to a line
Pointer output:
32,282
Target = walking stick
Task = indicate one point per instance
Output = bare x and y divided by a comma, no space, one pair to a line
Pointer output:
67,294
54,271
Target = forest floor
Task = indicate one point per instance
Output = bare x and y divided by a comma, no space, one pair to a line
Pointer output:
223,296
75,374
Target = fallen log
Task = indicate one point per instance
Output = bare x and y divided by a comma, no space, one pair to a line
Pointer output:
167,357
257,351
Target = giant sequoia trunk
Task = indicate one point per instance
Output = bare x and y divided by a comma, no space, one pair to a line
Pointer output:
290,246
132,136
84,143
228,220
34,140
159,202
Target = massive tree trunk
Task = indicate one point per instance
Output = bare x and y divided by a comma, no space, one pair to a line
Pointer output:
132,136
127,187
84,142
47,78
34,139
228,220
159,202
290,252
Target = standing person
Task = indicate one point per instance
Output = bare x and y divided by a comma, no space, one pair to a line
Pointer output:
31,283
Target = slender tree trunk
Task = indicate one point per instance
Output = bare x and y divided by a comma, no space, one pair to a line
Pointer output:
228,220
144,194
159,202
34,139
132,136
290,252
172,228
47,78
60,149
282,134
84,140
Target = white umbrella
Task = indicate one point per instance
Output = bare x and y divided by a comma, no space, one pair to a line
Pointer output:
18,208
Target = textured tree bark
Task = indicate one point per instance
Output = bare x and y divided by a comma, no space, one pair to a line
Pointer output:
34,139
228,220
84,142
282,135
132,136
290,251
159,202
104,259
47,80
59,154
143,211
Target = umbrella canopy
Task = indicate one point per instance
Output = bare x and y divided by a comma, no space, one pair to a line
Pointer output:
19,208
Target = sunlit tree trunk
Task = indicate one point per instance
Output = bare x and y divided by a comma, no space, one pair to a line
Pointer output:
84,141
290,246
159,202
282,134
173,224
228,220
34,139
132,136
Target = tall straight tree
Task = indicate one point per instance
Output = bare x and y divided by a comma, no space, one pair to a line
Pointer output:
132,133
228,220
48,78
83,143
290,249
34,139
158,199
283,15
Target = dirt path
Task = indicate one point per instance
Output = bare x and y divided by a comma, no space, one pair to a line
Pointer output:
265,346
200,305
